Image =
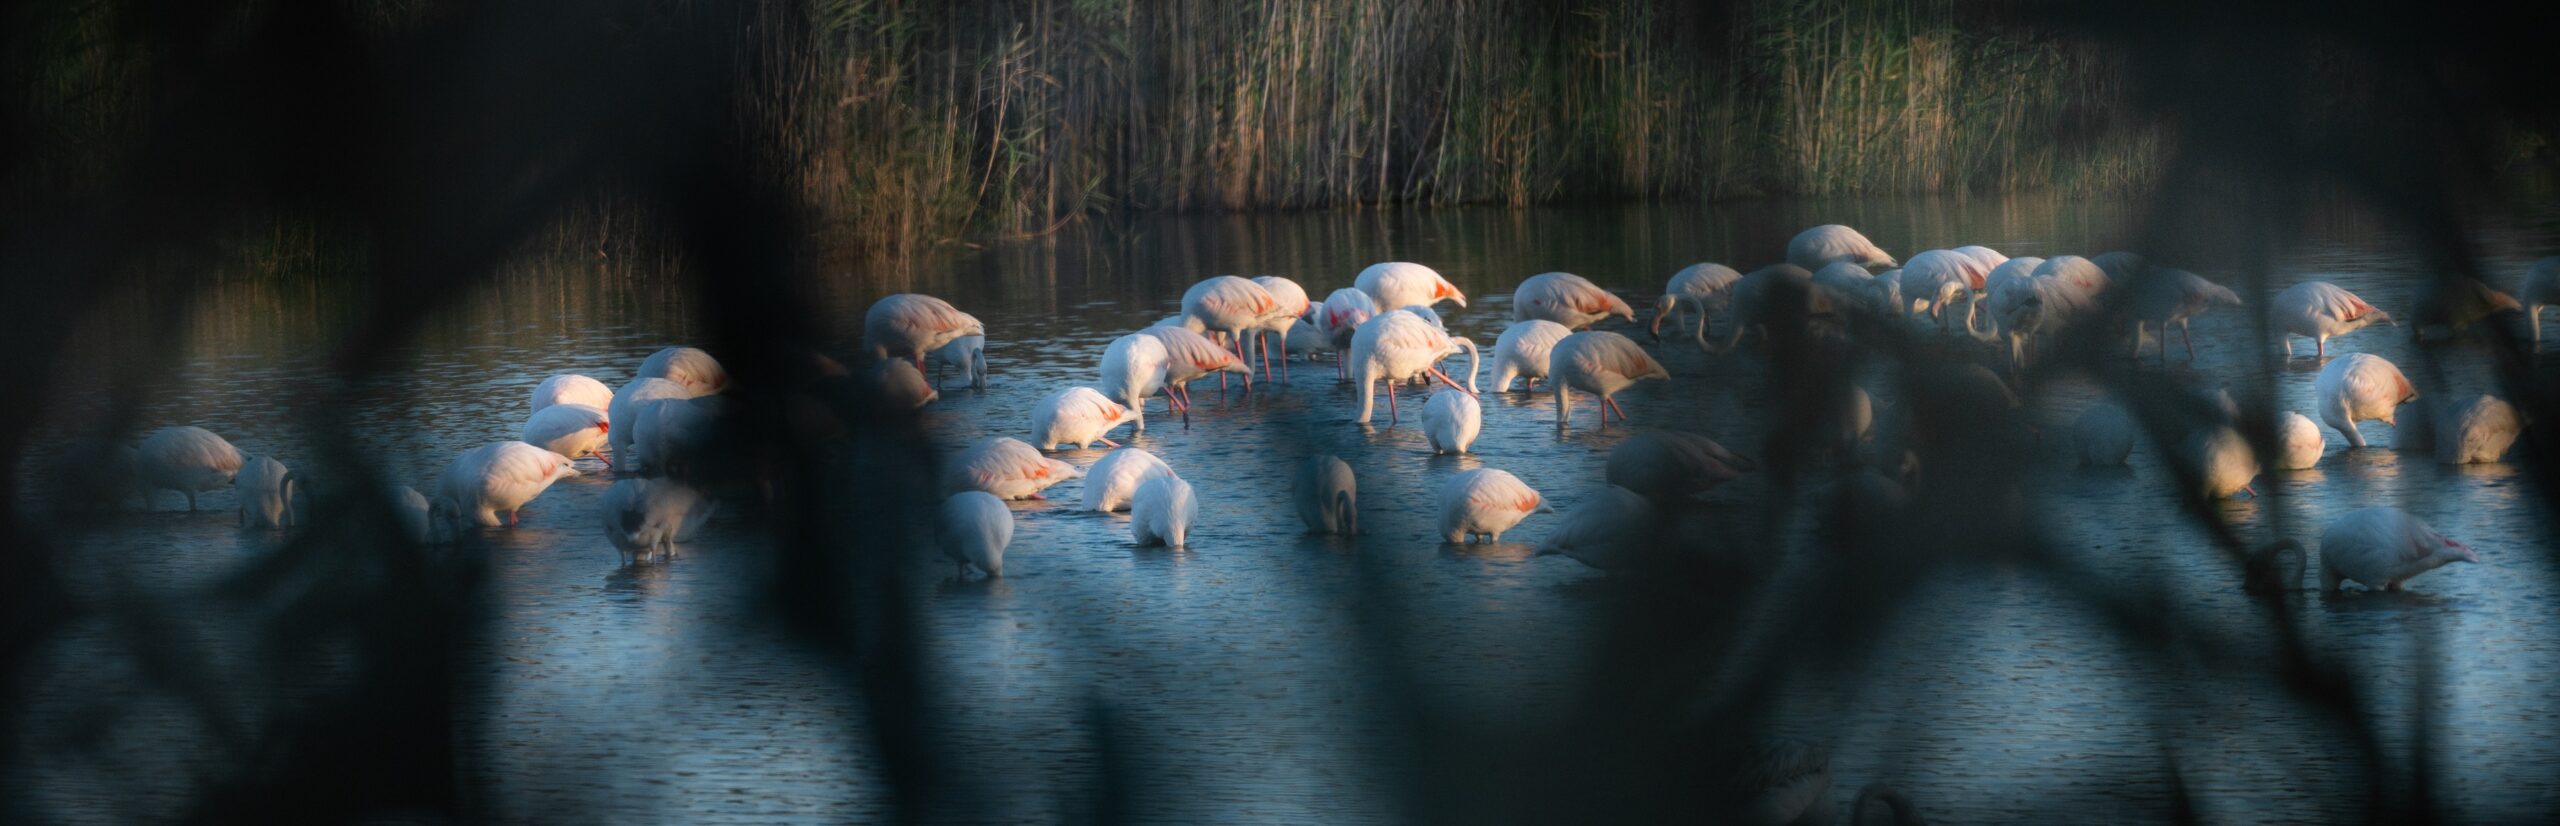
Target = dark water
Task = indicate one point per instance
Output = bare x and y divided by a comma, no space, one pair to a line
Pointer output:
1237,665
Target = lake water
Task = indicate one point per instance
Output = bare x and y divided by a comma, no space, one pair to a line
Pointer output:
1242,674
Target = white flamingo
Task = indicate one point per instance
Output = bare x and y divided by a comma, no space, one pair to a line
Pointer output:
1831,243
1134,368
910,325
1938,277
2298,442
571,388
1303,341
1112,482
1289,307
2162,297
1671,465
573,430
898,386
2541,288
695,369
1077,417
2223,462
496,479
2460,302
1991,259
1328,496
645,518
1523,351
2477,429
1399,284
671,437
1393,347
969,353
263,490
1008,468
1611,531
1699,290
1338,318
1850,286
975,529
186,459
640,396
1192,356
2319,310
2119,265
2360,387
2382,547
1757,300
1601,363
1485,502
1451,420
2104,433
1162,511
1567,299
1231,307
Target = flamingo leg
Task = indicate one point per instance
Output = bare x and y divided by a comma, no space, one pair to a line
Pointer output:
1107,442
2183,336
1444,377
1391,404
2323,352
1607,403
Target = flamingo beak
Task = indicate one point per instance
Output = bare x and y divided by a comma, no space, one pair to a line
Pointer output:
2463,552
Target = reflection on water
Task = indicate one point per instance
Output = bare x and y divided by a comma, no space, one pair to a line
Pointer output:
1236,664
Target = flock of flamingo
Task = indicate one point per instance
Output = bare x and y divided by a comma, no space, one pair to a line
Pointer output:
1384,330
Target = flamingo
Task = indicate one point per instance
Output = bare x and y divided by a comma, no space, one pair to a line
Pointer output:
1990,259
2460,302
2119,265
695,369
1851,286
2382,547
2061,290
1831,243
645,518
2541,287
976,527
2165,296
1400,284
1523,351
969,353
1192,356
673,436
186,459
2104,433
1671,465
1182,320
639,397
1133,368
1230,307
497,478
1451,420
1699,289
1077,417
1162,511
1110,483
1756,299
911,325
1601,363
2222,461
2298,442
1008,468
1303,341
1610,532
1567,299
1290,305
570,429
420,520
2319,310
263,490
1397,346
571,388
1939,276
1485,502
2478,429
2359,387
1338,318
898,386
1328,497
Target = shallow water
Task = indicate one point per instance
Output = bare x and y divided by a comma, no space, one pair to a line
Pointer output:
1238,666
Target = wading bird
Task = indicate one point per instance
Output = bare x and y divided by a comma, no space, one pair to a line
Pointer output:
1522,351
263,491
1601,363
1833,243
2477,429
1008,468
2361,387
1327,495
909,325
2104,434
1699,290
1397,346
1451,420
696,370
186,459
1110,484
1670,465
1567,299
1231,307
498,479
571,388
897,385
1401,284
975,529
2319,310
1162,511
1289,307
1077,417
2541,288
1190,356
573,430
1484,502
2162,297
2298,442
1611,531
2382,547
1134,367
2223,463
969,353
645,518
1338,318
640,397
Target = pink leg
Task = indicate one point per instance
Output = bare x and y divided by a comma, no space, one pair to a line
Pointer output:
1612,404
1391,404
1110,444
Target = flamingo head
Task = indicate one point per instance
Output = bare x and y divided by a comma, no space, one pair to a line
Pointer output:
1661,310
1444,290
2453,550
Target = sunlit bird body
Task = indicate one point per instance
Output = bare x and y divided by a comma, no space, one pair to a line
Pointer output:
495,480
1567,299
1670,465
573,430
1396,346
2477,429
2298,442
1231,307
1697,292
974,530
1939,277
1134,368
909,325
1610,531
571,388
1077,417
2382,547
263,492
1162,511
646,518
1110,483
1522,352
969,354
1289,307
2360,387
2319,310
1399,284
693,368
1008,468
1484,502
1833,243
1600,363
899,386
1327,495
1338,318
2223,461
1451,420
186,459
1190,355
